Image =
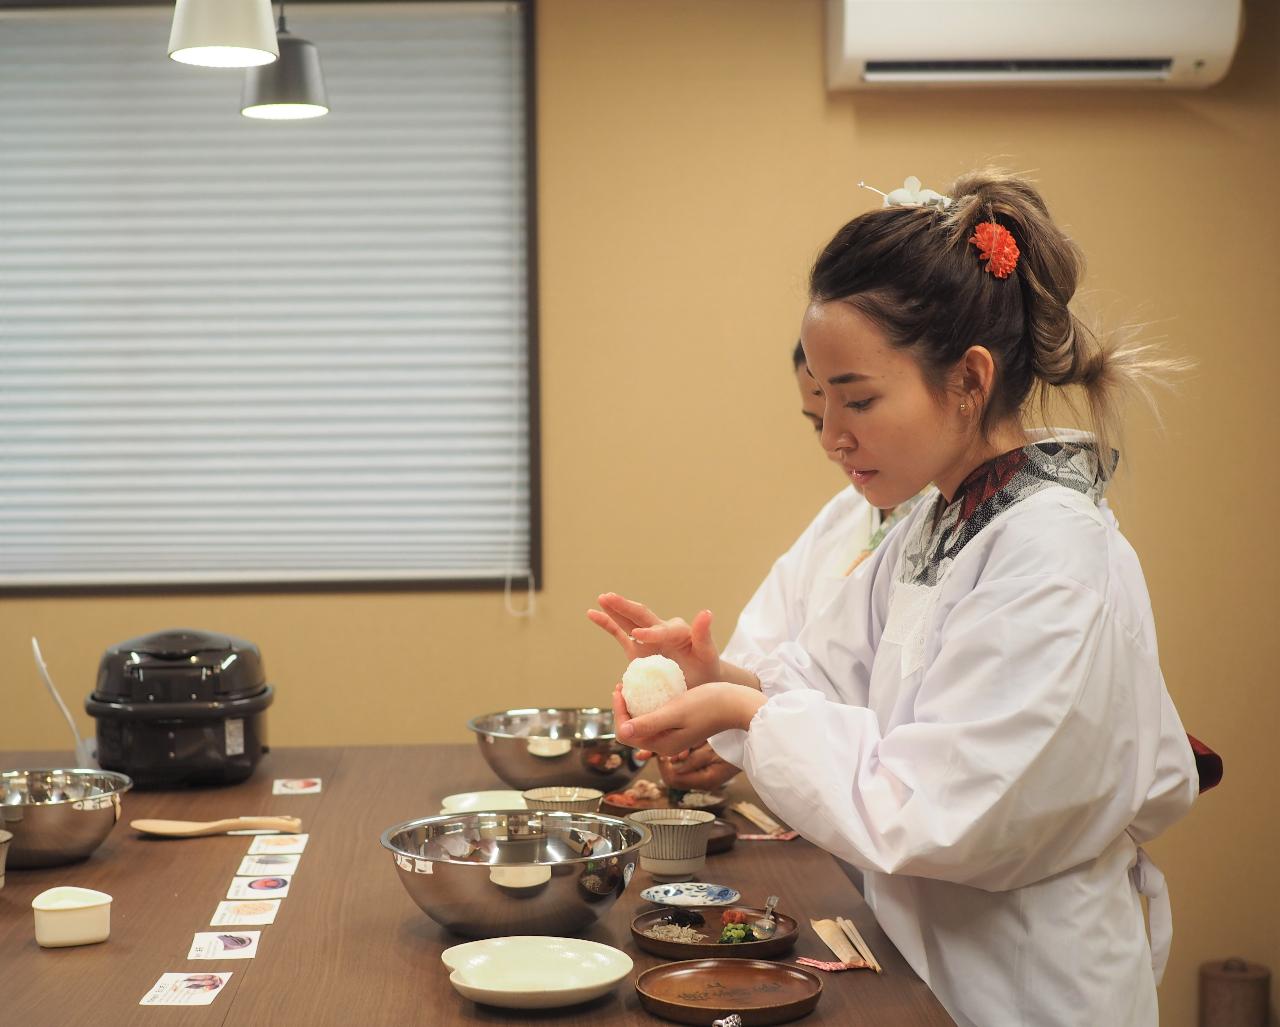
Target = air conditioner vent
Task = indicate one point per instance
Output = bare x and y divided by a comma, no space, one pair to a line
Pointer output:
1156,66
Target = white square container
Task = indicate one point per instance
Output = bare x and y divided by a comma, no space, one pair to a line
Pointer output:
71,916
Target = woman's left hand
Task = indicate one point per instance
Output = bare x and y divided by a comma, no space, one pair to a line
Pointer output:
689,719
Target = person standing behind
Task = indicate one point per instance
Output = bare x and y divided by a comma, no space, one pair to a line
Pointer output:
843,534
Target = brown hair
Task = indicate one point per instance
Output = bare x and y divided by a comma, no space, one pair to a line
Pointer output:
912,270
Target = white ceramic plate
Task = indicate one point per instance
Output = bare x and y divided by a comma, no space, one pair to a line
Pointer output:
480,802
692,893
534,972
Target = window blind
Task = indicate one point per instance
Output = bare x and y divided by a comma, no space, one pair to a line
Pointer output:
244,351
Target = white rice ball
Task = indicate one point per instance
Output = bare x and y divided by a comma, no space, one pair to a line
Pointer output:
650,682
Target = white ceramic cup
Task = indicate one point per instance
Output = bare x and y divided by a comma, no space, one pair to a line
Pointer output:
677,849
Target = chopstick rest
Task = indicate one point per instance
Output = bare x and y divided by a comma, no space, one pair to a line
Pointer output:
818,964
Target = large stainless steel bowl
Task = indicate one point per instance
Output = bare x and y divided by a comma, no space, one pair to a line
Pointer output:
536,747
517,872
58,816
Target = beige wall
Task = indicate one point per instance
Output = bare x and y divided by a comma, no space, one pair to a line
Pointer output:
691,162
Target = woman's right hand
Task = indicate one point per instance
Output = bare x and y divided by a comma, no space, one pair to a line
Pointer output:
641,632
697,769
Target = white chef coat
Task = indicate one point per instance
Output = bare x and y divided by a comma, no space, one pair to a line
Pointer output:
804,578
989,750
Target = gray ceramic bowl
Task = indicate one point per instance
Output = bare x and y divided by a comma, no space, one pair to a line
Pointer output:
58,816
537,747
486,875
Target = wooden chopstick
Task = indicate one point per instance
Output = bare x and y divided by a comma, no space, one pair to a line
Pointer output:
859,943
759,817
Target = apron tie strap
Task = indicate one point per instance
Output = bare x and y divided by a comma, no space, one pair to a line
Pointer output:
1150,883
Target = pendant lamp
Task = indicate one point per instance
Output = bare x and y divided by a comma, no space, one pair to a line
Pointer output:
290,89
223,33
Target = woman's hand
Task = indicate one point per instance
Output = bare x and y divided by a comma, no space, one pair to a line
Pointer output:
641,632
697,769
689,719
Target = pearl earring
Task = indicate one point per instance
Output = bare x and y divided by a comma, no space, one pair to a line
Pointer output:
964,408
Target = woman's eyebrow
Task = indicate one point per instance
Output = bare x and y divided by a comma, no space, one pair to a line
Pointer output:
850,376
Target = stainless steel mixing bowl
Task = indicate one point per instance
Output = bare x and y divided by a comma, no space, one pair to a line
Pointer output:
486,875
536,747
58,816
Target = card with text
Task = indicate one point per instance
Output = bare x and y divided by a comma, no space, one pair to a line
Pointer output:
268,865
186,989
296,786
230,945
255,913
274,887
278,843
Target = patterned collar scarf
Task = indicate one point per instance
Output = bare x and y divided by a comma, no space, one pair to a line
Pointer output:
1067,459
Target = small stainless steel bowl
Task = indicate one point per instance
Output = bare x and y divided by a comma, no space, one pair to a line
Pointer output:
58,816
516,872
536,747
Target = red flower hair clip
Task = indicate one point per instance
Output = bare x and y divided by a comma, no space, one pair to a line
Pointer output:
997,247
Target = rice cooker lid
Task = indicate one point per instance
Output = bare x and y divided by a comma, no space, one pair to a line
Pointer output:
180,665
177,644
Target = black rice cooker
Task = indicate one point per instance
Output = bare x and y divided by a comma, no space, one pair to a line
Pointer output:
181,707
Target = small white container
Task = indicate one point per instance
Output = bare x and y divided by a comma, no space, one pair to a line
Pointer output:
71,916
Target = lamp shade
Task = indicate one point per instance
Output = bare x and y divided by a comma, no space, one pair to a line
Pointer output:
223,33
290,89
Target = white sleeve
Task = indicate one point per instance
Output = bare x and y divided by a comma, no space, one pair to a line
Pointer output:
1175,784
1032,745
832,653
779,607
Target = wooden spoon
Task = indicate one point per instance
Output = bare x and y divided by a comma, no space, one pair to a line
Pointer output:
198,828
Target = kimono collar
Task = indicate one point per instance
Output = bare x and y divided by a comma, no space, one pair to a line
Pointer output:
1062,458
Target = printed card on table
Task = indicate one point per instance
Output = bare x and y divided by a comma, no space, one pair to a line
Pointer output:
278,843
274,887
296,786
268,865
255,913
231,945
185,989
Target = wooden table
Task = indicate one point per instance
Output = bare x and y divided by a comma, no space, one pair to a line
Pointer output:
349,946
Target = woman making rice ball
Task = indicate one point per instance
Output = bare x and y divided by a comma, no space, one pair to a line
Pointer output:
978,720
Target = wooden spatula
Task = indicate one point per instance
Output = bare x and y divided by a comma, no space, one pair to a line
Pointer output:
198,828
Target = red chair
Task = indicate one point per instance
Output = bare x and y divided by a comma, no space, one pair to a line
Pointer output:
1208,764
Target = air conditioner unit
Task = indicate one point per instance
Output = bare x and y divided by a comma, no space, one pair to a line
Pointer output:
885,43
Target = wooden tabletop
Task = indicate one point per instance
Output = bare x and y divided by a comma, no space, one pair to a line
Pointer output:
349,946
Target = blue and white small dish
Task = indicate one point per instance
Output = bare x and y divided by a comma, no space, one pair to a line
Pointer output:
691,893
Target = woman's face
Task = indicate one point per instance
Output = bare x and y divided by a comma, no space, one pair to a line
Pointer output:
889,430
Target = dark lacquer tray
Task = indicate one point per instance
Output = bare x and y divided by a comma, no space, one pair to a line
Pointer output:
700,990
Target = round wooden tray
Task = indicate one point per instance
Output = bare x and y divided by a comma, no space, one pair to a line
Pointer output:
698,991
723,837
783,941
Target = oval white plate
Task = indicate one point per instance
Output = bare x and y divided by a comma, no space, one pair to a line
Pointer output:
693,893
481,802
534,972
